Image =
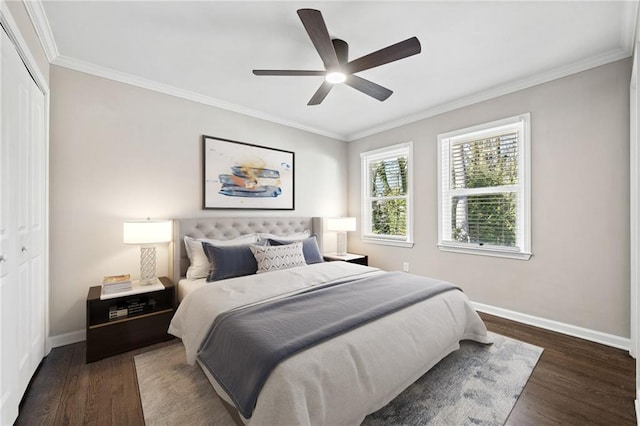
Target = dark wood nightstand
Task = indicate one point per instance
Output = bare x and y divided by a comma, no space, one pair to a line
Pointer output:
360,259
106,337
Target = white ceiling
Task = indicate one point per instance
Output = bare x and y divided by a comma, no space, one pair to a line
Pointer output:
205,51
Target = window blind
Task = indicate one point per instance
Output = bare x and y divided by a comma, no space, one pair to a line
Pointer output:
389,176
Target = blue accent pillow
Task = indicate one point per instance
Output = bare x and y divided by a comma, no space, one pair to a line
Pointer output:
229,261
310,248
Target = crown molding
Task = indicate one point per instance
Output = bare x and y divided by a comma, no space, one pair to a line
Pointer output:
494,92
629,27
144,83
497,91
35,10
491,93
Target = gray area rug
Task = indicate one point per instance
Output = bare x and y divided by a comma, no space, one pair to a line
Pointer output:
476,385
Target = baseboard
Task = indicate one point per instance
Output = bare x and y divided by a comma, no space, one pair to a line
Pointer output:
67,338
637,404
559,327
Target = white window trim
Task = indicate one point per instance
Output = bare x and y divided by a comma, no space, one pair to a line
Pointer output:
376,154
524,186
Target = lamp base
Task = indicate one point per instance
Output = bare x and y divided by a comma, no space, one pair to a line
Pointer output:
151,281
148,264
342,244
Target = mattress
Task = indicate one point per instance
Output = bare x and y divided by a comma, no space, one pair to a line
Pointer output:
186,286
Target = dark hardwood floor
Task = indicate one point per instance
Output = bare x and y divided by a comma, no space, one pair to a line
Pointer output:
576,382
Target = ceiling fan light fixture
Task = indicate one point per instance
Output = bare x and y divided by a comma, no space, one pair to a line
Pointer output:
335,57
336,77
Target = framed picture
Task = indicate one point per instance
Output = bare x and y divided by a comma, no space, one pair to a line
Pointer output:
239,175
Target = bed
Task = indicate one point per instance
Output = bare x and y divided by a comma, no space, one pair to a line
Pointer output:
336,380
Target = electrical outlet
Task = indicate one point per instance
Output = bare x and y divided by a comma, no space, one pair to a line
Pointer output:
405,266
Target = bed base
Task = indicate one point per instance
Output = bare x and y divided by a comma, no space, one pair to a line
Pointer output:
232,412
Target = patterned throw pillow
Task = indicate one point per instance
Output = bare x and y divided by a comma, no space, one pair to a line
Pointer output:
272,258
310,248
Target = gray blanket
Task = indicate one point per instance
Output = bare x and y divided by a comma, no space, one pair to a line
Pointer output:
246,344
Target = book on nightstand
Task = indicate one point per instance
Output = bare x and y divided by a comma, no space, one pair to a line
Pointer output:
116,283
116,279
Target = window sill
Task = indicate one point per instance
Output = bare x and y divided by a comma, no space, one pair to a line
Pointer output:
486,252
387,242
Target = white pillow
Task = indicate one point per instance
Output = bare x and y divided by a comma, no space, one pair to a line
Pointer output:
272,258
199,265
291,237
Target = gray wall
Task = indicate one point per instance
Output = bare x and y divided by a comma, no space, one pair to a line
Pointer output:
119,152
579,273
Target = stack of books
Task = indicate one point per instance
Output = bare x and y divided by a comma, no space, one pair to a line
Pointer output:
116,283
116,312
139,306
132,307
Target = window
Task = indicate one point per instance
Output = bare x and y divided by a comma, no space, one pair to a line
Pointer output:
484,189
387,195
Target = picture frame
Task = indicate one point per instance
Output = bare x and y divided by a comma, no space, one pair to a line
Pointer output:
239,175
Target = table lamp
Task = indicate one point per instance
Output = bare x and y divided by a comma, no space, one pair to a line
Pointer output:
342,225
147,233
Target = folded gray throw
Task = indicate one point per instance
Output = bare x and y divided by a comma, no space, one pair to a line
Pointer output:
246,344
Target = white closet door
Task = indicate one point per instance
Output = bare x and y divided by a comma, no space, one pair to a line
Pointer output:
8,240
22,234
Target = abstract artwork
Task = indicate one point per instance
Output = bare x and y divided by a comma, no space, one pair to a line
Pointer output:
239,175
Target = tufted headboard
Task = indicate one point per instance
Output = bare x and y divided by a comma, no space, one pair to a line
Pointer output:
226,228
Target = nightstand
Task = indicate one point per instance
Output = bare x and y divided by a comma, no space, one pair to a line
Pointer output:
148,325
360,259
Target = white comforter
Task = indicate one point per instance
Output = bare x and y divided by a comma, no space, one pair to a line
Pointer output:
340,381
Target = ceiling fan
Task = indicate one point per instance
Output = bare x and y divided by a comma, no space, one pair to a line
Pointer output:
337,67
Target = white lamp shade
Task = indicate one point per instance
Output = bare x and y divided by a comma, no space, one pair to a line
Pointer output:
147,232
341,224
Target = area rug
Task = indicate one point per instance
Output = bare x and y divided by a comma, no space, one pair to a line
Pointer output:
476,385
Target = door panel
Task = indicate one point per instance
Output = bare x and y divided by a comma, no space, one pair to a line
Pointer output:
36,225
37,320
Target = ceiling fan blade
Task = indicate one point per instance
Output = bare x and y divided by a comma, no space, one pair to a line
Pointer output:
288,72
368,87
342,50
319,35
401,50
321,93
